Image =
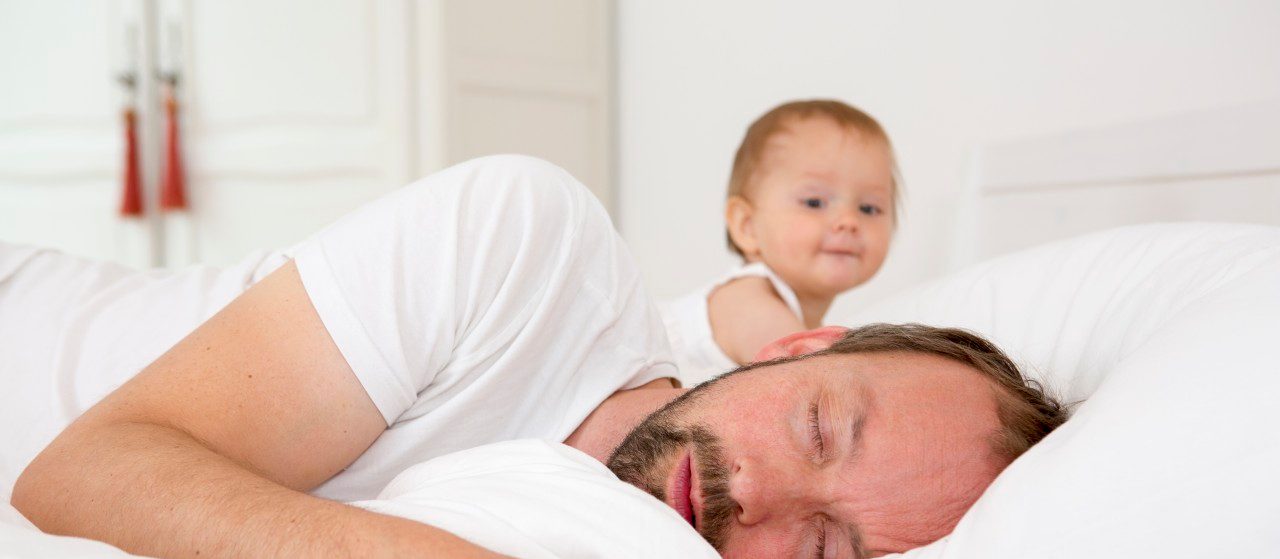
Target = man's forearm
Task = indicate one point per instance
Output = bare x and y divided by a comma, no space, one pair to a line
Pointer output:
156,491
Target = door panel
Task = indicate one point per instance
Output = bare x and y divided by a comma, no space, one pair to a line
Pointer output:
294,112
534,78
60,128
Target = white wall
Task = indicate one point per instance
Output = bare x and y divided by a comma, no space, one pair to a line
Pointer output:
943,77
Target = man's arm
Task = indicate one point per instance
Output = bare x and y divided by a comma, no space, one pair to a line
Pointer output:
209,450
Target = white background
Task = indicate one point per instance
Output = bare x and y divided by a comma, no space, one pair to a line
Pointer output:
681,79
943,77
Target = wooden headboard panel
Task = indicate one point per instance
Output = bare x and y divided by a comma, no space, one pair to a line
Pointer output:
1217,165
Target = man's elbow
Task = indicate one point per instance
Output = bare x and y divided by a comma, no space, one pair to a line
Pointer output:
30,495
46,489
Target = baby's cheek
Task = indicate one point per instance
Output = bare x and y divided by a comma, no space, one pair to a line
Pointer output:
802,236
877,244
780,249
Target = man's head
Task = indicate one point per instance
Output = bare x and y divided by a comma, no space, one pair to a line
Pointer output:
876,444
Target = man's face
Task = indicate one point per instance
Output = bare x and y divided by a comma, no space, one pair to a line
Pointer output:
835,456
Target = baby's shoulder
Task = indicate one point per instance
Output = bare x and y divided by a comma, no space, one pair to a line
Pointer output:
745,314
746,289
747,299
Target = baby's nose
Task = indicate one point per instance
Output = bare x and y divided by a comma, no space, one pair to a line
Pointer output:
845,220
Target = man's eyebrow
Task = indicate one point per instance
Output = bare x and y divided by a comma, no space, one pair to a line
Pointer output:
864,401
855,541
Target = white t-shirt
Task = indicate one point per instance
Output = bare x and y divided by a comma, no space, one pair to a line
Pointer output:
488,302
688,324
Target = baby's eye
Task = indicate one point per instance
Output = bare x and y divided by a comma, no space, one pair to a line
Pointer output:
815,203
870,209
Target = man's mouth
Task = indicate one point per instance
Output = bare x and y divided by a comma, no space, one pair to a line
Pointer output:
680,491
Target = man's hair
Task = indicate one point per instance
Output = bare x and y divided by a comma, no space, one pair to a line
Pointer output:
746,162
1026,411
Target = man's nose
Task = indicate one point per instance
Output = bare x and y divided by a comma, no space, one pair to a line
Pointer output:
760,491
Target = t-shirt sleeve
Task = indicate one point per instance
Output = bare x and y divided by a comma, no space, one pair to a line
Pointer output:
487,268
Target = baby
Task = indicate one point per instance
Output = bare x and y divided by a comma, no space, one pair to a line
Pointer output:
811,208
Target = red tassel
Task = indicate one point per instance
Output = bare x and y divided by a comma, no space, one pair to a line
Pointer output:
173,194
131,195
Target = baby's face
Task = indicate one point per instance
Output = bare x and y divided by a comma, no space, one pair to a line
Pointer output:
822,206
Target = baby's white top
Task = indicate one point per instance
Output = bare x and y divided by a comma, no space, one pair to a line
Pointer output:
688,325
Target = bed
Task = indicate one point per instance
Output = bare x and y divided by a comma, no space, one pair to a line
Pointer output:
1162,333
1220,164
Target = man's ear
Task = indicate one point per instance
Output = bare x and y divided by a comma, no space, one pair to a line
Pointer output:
801,343
737,217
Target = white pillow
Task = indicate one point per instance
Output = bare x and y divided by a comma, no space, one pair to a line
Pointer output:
1169,332
534,499
529,499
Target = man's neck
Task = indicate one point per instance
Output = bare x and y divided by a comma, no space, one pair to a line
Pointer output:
613,419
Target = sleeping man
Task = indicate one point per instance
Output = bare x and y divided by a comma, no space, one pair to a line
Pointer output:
489,302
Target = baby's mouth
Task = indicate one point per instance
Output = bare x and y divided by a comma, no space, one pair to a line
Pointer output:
842,252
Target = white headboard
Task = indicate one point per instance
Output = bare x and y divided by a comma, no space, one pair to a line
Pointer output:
1216,165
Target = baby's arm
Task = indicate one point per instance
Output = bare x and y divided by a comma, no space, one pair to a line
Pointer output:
746,315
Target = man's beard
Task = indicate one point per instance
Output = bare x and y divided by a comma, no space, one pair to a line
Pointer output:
655,442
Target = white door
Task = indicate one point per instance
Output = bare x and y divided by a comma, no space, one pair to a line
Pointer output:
61,135
293,112
533,77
